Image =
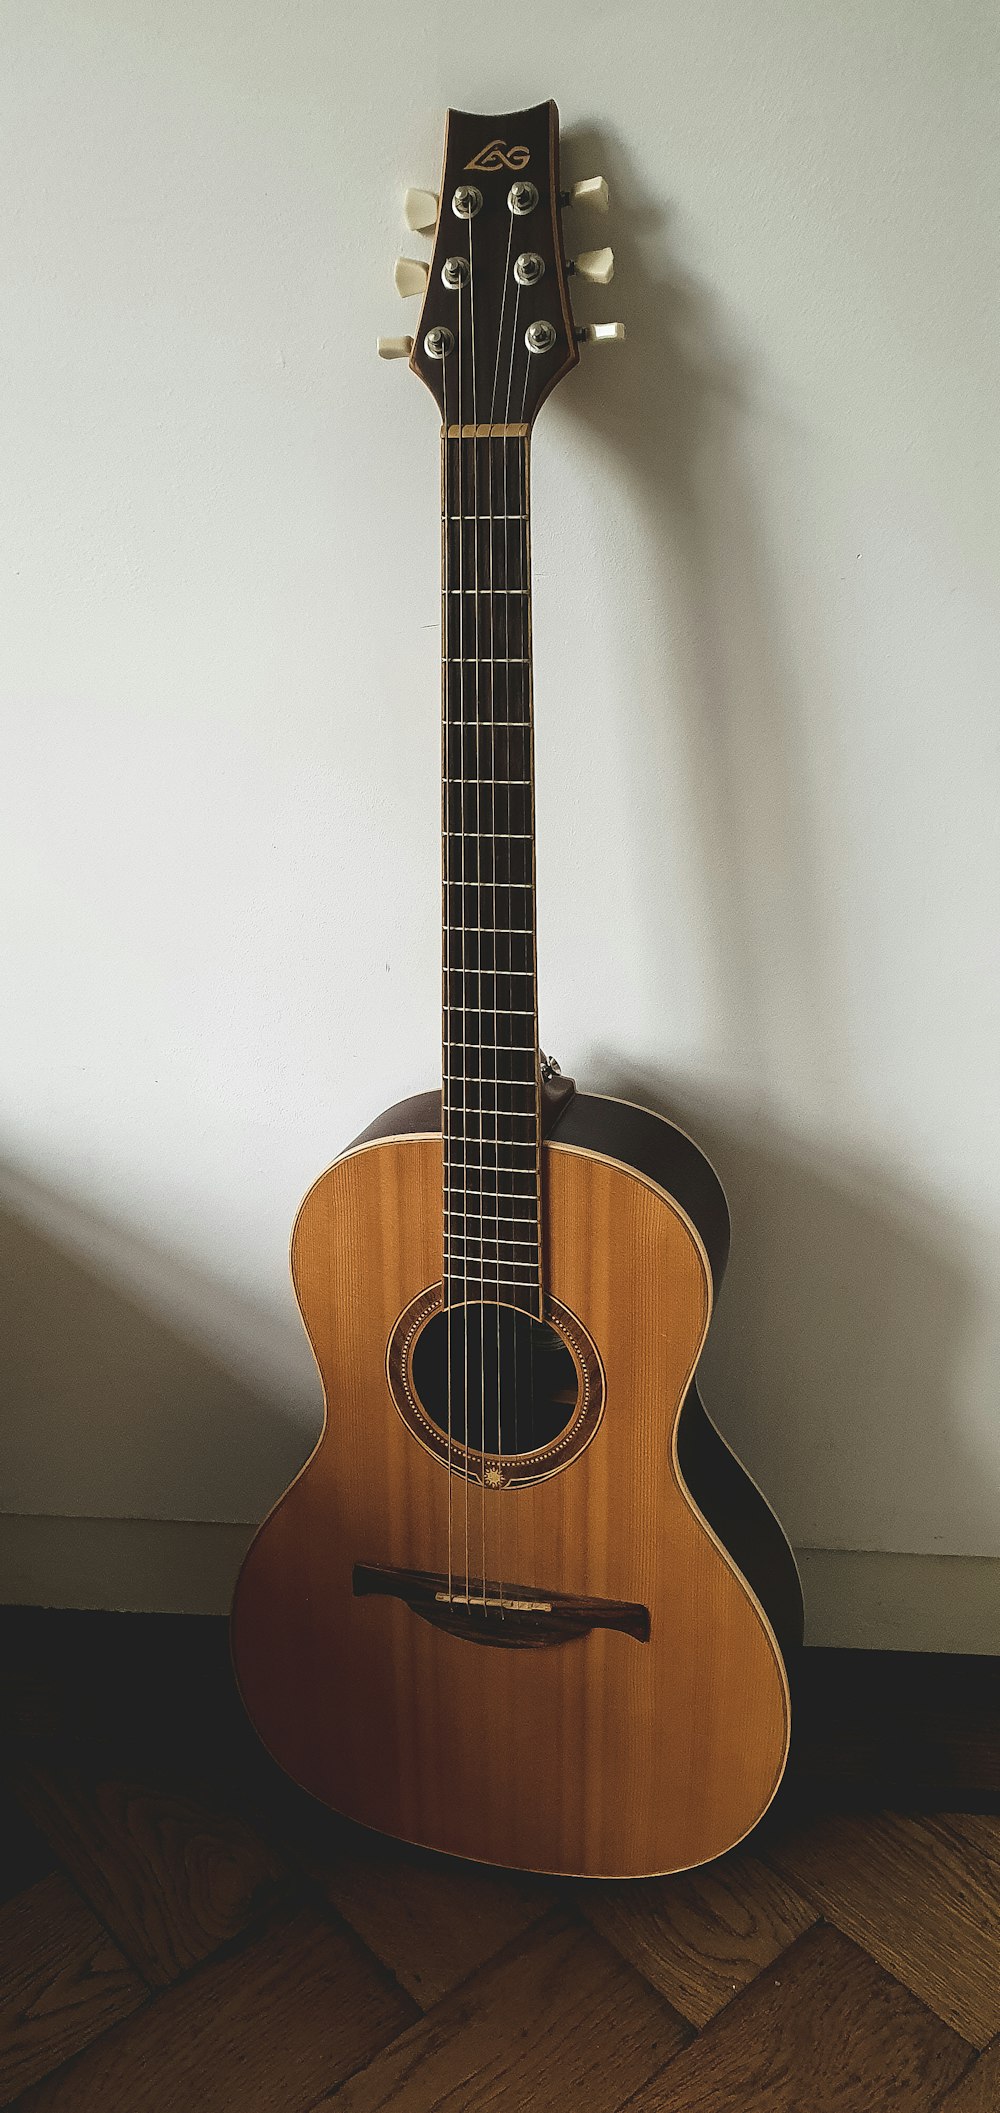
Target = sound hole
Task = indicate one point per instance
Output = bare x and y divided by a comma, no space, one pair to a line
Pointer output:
514,1385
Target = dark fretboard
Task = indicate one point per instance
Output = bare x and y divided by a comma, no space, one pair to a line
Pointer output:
490,1038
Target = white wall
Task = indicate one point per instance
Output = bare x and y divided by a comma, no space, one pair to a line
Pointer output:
766,616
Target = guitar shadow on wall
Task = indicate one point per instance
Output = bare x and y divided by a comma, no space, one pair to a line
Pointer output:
849,1303
844,1318
134,1382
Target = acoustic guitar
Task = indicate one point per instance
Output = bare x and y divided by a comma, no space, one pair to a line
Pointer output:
522,1603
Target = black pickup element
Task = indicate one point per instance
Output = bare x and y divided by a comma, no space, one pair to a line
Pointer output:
511,1616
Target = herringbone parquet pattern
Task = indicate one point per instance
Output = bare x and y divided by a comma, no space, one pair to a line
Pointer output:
182,1930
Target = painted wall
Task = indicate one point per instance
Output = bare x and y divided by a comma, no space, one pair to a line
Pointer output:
766,616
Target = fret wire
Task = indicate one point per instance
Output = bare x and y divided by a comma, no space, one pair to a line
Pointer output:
459,1133
506,1263
521,1050
512,1195
513,1280
491,1145
478,1137
510,1144
476,1277
489,1224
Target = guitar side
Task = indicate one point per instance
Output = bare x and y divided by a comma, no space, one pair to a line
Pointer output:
606,1755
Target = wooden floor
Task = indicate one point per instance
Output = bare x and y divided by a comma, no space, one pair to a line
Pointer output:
181,1930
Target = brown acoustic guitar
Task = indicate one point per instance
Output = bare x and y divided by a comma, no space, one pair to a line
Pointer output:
522,1603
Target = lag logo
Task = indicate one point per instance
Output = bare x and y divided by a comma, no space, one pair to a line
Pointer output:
499,156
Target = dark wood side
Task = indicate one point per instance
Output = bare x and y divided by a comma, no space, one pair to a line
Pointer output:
420,1114
743,1520
722,1490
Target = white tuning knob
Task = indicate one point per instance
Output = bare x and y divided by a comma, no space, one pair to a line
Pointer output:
592,190
420,210
410,276
395,348
597,265
601,334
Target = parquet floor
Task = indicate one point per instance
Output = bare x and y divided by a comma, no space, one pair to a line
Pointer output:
182,1930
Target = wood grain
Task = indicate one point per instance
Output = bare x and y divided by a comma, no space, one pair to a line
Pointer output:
263,2031
559,2025
701,1936
978,2091
604,1756
62,1982
823,2031
922,1895
172,1877
288,2015
432,1922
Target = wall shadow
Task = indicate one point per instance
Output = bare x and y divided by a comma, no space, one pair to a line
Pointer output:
850,1301
110,1406
842,1326
678,406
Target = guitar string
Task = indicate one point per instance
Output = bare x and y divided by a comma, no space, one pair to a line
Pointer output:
509,684
504,444
460,473
446,1083
477,706
494,1200
529,764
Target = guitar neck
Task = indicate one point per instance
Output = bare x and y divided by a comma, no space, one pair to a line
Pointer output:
491,1103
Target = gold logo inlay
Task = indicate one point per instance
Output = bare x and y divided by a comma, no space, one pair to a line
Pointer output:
499,156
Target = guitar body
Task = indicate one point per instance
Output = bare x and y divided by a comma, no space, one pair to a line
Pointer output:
560,1744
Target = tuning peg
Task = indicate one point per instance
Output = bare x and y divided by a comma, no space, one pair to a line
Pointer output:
410,276
591,190
420,210
597,265
395,348
600,334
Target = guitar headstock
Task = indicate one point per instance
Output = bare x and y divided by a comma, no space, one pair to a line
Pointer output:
496,330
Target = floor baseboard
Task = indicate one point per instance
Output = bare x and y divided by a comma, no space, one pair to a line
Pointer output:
124,1566
866,1599
855,1599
